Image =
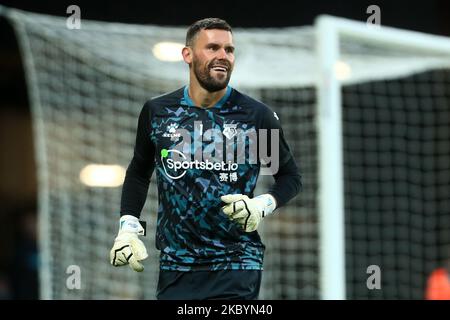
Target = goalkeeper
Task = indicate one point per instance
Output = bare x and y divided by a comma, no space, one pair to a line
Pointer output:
208,216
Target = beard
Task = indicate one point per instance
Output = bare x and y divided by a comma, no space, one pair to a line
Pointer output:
209,82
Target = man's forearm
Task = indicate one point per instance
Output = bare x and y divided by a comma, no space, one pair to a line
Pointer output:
135,188
287,183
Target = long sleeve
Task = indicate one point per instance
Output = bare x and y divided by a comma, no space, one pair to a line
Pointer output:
287,178
287,183
140,169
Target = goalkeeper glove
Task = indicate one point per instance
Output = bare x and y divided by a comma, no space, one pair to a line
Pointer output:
247,212
128,248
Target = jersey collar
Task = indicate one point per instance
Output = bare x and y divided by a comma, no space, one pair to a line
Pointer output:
186,100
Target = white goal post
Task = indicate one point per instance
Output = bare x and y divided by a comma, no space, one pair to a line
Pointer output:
329,31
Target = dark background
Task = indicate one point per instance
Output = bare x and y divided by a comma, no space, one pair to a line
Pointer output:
17,164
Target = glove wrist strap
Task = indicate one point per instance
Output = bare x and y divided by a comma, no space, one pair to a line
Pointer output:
270,203
129,223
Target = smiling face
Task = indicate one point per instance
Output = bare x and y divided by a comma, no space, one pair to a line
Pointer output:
211,58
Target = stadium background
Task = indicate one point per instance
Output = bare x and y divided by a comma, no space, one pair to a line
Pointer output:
17,163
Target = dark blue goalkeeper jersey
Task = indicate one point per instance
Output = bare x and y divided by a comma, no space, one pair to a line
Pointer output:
200,154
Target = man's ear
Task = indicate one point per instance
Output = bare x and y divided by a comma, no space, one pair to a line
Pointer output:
187,55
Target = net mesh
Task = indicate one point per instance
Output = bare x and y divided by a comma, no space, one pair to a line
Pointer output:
397,174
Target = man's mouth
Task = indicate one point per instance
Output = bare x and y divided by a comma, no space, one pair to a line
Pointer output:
220,68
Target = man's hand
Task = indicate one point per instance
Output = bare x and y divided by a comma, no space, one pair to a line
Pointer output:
247,212
128,248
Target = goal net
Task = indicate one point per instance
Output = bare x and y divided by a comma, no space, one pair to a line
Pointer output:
87,87
383,107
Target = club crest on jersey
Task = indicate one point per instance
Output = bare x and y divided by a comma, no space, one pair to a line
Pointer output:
229,130
172,132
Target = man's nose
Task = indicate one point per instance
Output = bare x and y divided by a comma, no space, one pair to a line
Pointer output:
221,54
